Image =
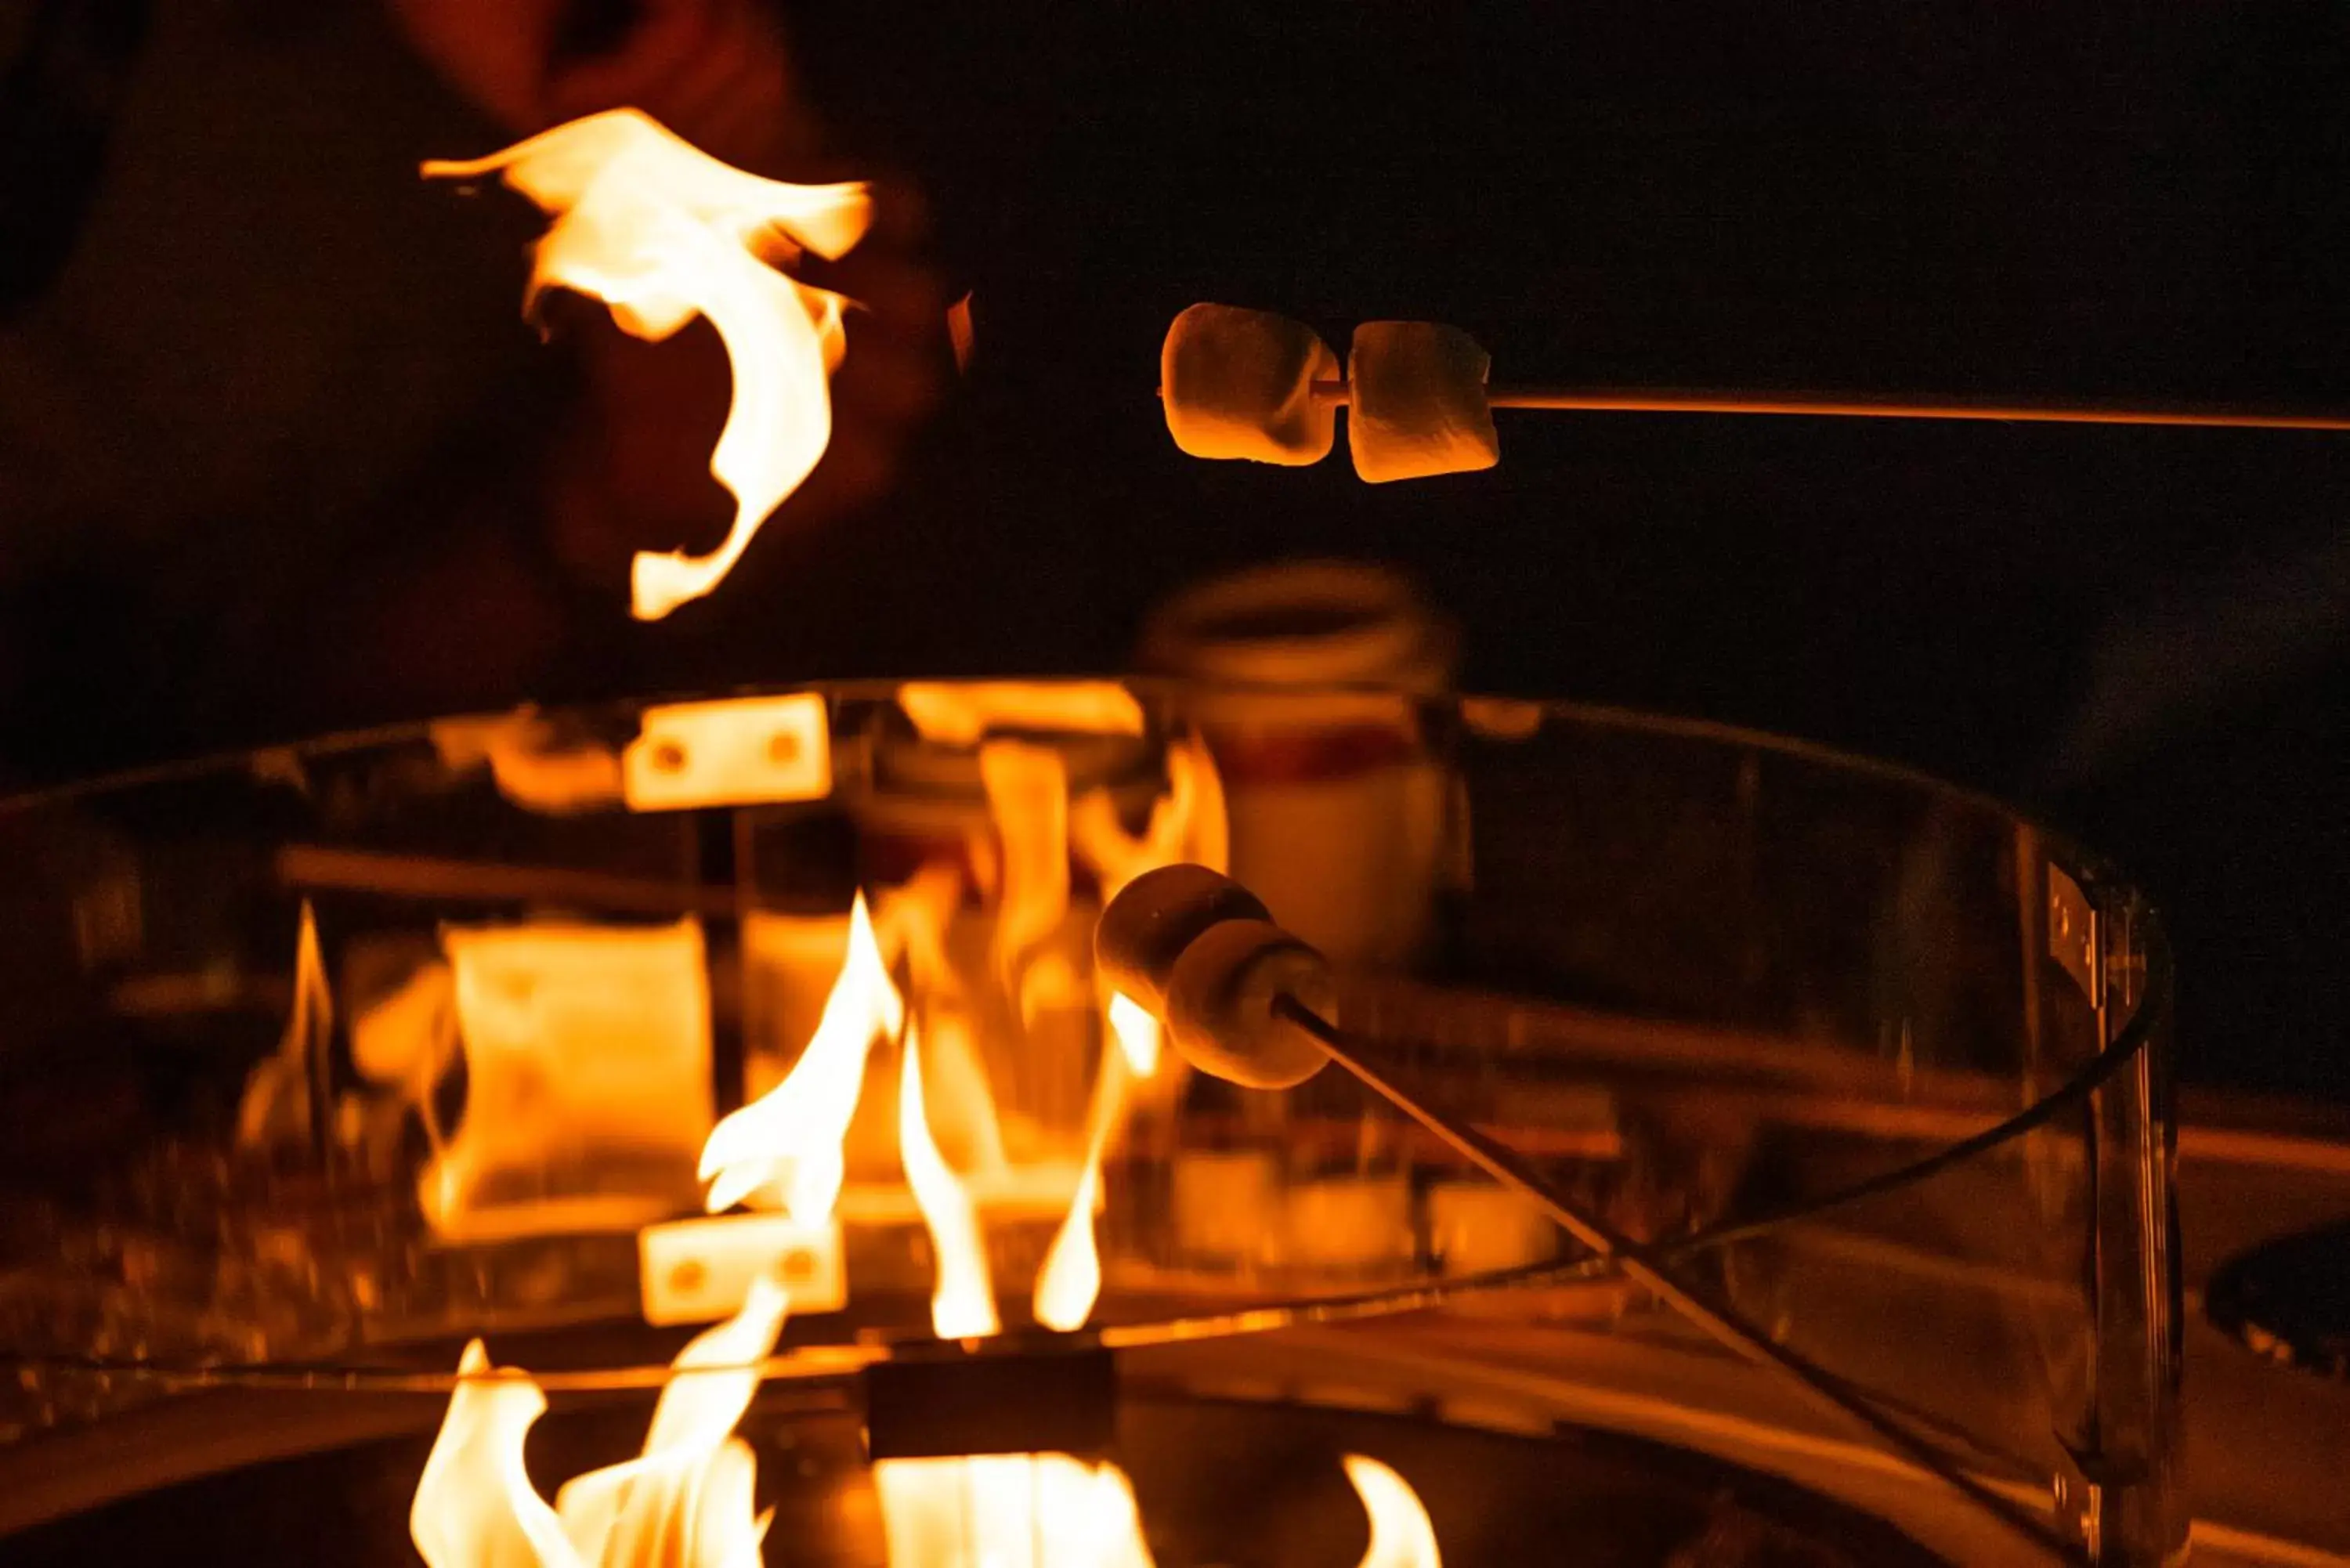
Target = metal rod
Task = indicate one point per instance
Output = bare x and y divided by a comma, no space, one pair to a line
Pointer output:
1856,405
1641,1266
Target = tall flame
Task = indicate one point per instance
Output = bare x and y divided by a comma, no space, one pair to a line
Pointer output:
963,1300
685,1502
1028,795
661,232
1070,1280
475,1507
789,1141
283,1098
1401,1535
686,1498
1188,820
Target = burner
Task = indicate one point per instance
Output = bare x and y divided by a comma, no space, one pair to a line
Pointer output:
753,1049
1245,1484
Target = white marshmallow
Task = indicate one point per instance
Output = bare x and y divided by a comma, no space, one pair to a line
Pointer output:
1155,919
1240,384
1220,998
1195,947
1416,401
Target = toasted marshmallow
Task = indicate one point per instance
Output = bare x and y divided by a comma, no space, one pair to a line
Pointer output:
1416,396
1240,384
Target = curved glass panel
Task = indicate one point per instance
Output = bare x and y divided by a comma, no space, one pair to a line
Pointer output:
562,1027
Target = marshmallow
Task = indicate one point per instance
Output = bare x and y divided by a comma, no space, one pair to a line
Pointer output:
1197,950
1416,396
1154,918
1220,999
1240,384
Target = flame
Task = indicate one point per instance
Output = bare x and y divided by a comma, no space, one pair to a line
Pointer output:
914,917
474,1507
661,232
1187,823
1188,820
685,1502
789,1140
1009,1510
1070,1280
1401,1535
1135,1031
283,1098
963,1302
954,1065
686,1498
1028,795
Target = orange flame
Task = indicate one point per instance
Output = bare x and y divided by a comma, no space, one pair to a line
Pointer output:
661,232
1070,1280
684,1502
1187,821
789,1141
281,1102
1135,1031
1028,795
1401,1535
475,1507
963,1300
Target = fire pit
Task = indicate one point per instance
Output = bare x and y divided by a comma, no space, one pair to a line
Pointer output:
750,1052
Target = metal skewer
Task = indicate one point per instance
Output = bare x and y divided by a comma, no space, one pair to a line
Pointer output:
1856,405
1641,1265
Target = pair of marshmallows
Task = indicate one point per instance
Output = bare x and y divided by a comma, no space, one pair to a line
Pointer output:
1199,952
1249,384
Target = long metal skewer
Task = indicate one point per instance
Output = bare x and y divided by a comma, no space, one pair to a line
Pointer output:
1858,405
1639,1266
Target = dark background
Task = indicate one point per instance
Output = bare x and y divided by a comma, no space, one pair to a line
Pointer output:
2144,635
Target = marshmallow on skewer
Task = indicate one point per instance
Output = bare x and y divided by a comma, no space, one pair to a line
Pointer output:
1154,918
1416,401
1196,949
1240,384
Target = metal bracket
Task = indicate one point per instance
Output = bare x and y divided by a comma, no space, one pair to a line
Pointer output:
2073,933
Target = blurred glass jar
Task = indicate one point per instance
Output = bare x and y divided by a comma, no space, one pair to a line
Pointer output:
1339,805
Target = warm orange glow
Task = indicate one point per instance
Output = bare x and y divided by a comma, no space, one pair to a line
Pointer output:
963,1300
1187,823
960,712
1028,796
1009,1510
686,1498
1137,1034
786,1145
684,1502
586,1046
1401,1535
661,232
